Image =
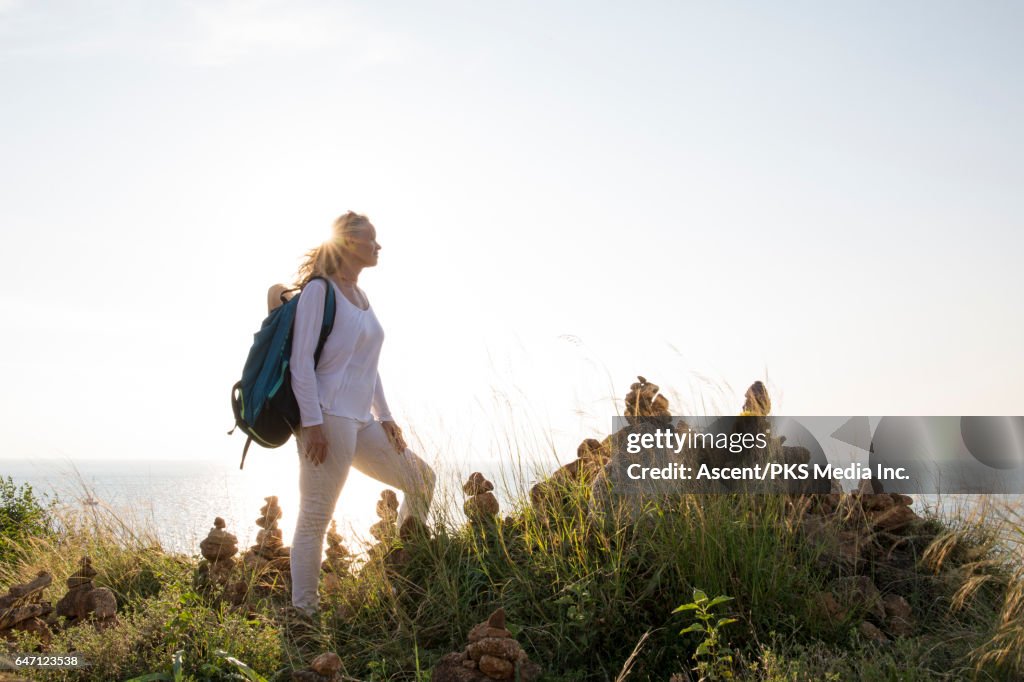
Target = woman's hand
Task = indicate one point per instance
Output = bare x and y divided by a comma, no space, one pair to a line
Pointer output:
394,434
314,443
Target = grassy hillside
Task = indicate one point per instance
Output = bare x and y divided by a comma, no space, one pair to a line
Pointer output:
589,596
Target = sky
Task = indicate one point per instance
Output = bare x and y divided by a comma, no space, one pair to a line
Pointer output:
568,195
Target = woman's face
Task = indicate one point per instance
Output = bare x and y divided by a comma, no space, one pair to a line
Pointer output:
361,245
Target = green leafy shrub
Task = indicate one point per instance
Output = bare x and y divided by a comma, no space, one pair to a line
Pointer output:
22,516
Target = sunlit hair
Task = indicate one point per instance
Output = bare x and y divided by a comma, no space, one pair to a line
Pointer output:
325,259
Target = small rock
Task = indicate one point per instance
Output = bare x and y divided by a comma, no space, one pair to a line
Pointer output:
871,632
893,518
482,506
496,668
483,630
83,576
476,484
505,648
898,621
327,664
591,448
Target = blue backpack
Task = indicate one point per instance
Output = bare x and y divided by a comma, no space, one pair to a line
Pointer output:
264,405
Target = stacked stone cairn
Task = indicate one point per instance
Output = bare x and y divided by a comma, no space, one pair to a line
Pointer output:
481,506
338,558
84,601
385,531
555,491
324,668
23,608
218,549
645,404
492,654
269,553
859,534
646,411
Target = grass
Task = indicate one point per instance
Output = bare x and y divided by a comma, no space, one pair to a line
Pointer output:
590,596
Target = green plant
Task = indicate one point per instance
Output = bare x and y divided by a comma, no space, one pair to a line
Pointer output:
22,516
378,670
248,672
177,670
714,658
176,674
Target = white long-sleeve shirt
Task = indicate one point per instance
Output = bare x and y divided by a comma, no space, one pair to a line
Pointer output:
345,382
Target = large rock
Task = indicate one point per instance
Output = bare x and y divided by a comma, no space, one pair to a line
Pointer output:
858,594
23,609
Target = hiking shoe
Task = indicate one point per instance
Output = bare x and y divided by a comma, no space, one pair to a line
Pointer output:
304,630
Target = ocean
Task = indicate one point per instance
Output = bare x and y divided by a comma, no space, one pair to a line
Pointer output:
178,500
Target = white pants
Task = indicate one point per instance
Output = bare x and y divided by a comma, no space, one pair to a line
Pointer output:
364,445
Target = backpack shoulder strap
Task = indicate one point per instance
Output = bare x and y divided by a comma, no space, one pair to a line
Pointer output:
330,304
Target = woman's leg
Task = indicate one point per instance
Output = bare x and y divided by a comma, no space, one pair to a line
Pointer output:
319,488
376,458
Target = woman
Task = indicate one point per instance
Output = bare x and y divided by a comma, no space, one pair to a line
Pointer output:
345,418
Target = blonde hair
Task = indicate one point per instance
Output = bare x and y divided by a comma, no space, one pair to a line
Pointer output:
326,259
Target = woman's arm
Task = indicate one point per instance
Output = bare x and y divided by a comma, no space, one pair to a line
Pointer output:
380,405
309,317
380,409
